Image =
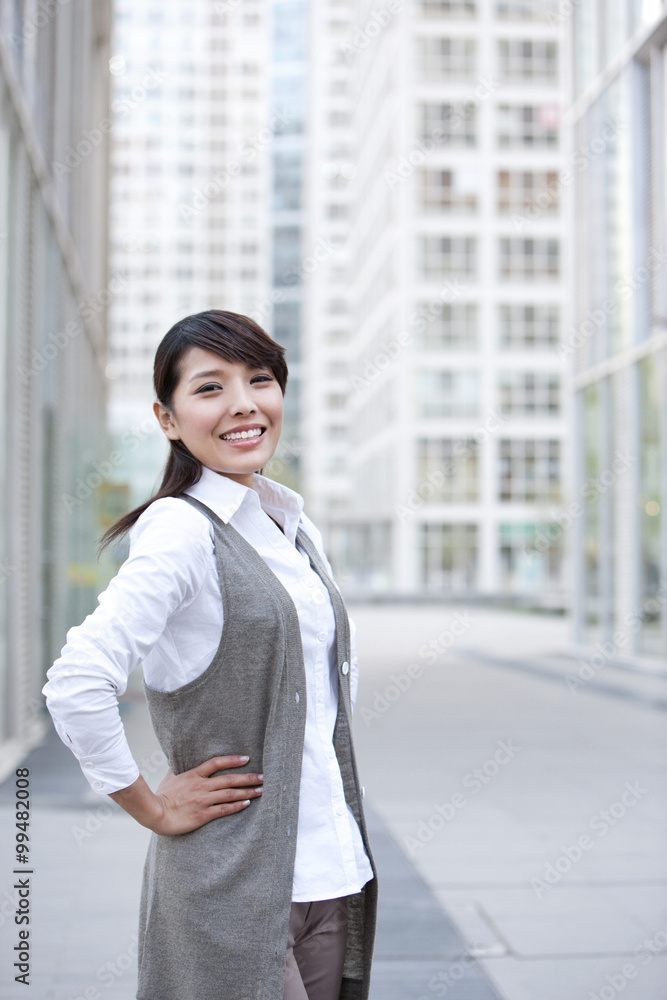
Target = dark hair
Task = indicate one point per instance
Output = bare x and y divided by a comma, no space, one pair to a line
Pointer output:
234,338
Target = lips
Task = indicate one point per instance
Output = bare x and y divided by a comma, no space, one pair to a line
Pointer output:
244,439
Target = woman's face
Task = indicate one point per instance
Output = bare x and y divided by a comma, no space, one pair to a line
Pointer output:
217,398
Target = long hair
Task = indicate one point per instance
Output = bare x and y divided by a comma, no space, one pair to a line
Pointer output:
234,338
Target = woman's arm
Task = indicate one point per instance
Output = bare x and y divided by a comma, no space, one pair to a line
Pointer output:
184,802
169,557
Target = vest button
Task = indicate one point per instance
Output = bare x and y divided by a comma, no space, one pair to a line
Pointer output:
346,667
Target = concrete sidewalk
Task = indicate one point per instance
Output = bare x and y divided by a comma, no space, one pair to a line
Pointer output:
529,788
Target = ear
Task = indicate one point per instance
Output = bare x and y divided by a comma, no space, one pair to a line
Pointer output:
166,421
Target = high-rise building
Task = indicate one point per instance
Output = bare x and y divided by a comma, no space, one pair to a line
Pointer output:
55,462
190,182
617,343
326,264
457,418
207,193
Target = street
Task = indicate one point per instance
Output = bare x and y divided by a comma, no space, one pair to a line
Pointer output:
517,807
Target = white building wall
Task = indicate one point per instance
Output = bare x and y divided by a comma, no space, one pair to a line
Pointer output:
387,283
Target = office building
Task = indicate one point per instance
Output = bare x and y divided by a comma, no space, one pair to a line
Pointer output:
617,342
55,287
457,415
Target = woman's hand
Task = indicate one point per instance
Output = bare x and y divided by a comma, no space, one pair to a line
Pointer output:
184,802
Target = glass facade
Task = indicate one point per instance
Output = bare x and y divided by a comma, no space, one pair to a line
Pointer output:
55,456
616,340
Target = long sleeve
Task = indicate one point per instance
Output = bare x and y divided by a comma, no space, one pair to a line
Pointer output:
169,553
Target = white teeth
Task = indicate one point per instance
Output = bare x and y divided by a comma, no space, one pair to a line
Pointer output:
242,434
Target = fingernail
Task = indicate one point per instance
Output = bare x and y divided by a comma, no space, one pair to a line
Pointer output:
244,759
261,777
246,802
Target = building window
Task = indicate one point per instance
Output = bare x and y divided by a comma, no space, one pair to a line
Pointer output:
290,31
529,259
445,325
521,59
337,307
529,471
526,10
339,119
447,191
447,393
336,336
287,328
529,394
447,256
336,432
440,59
448,8
527,126
289,97
533,191
451,124
287,180
651,503
286,255
530,557
529,327
449,556
447,470
338,211
336,401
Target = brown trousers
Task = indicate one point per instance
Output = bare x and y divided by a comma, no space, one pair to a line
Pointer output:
316,943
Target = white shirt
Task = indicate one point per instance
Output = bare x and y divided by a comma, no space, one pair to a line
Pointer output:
164,609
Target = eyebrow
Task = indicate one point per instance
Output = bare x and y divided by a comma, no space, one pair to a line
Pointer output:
219,372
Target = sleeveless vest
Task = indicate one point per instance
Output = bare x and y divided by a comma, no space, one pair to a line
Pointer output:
215,903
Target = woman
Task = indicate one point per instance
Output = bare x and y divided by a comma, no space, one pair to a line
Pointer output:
259,881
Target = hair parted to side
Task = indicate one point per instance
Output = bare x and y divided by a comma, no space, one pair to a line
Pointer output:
234,338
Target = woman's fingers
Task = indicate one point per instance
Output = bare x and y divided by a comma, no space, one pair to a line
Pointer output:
227,796
209,767
192,798
235,781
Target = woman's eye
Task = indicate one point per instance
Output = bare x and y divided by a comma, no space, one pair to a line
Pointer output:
215,386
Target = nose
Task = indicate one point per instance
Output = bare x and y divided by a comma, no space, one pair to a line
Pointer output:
240,397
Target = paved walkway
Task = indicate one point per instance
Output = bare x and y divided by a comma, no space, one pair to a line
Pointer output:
483,769
529,789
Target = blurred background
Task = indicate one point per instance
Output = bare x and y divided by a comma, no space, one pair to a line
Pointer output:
452,216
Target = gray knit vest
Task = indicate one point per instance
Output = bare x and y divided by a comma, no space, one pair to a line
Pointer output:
215,903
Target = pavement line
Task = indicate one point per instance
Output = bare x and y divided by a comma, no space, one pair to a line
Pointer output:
591,687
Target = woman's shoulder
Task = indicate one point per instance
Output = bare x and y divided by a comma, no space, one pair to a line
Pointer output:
172,522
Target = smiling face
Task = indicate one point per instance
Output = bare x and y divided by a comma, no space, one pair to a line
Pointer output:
227,415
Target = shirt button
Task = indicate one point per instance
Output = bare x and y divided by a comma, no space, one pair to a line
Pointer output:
346,667
339,811
322,637
298,698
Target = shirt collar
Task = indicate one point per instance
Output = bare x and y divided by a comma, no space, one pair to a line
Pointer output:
225,496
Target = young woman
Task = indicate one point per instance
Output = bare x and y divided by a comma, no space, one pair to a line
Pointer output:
259,882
